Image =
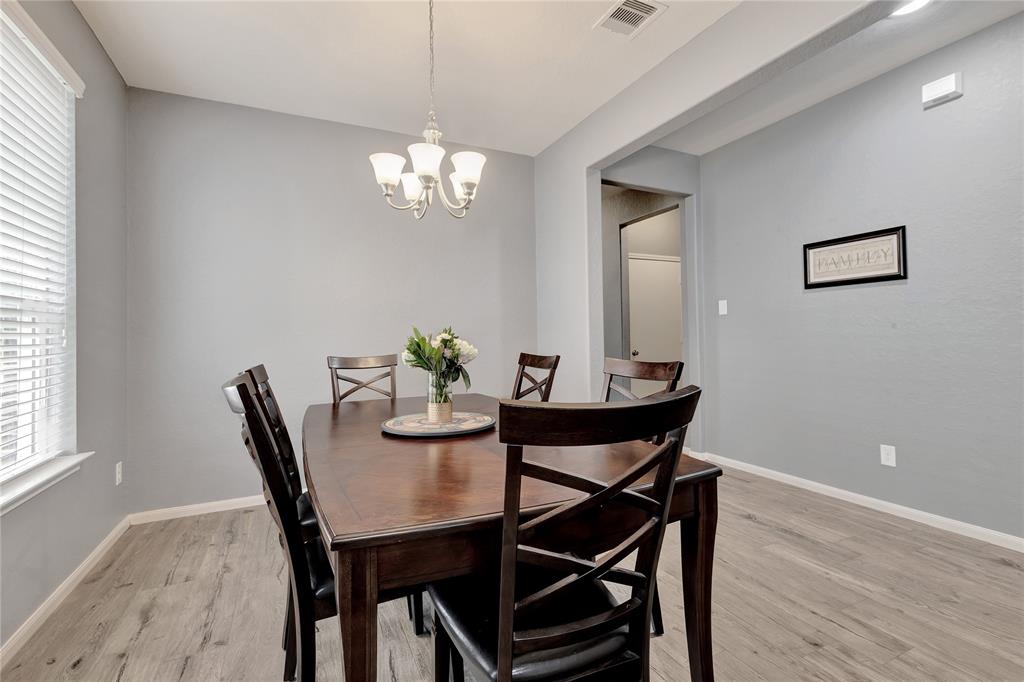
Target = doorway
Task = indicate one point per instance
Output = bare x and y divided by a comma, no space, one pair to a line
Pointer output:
652,290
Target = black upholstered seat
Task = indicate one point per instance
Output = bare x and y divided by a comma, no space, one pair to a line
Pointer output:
321,575
307,517
468,610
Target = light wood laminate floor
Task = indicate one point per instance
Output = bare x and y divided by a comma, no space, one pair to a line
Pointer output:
806,588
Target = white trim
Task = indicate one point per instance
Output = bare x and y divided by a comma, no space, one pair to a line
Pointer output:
152,515
22,487
653,256
50,604
934,520
51,55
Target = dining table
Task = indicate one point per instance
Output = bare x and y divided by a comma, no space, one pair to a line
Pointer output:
400,512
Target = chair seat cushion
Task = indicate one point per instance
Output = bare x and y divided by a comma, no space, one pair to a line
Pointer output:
321,575
468,610
307,517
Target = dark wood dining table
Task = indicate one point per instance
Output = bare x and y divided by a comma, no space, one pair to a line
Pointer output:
399,512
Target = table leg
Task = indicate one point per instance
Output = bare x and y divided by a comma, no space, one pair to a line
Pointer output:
356,591
697,540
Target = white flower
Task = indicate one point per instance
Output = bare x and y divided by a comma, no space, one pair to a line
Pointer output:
443,336
408,358
467,351
435,341
447,352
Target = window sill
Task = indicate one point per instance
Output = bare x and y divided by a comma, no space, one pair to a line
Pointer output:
28,484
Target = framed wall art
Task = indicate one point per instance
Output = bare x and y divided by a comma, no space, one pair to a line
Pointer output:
876,256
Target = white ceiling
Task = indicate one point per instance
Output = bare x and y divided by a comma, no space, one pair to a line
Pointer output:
511,75
877,49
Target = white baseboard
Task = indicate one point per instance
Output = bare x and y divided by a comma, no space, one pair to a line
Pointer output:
952,525
138,518
50,604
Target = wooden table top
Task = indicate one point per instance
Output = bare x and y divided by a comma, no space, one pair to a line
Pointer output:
371,488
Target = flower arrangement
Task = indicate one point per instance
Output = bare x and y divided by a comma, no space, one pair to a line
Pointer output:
444,357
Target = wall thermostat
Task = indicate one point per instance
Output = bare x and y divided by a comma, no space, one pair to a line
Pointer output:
945,89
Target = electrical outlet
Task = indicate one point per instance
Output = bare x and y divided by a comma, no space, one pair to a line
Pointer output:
118,473
723,307
888,453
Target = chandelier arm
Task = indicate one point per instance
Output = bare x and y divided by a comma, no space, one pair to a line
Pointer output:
392,204
450,205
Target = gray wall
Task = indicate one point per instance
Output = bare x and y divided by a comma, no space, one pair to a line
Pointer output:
262,237
47,537
811,382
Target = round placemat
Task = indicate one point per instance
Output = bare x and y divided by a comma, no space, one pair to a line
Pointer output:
416,425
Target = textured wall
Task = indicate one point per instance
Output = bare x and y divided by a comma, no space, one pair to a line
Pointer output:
45,538
262,237
811,382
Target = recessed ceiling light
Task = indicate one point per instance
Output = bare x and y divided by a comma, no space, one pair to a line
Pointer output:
909,8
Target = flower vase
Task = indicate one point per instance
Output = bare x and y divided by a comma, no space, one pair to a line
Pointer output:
439,400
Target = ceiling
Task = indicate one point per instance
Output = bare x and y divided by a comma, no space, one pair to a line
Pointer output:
877,49
511,75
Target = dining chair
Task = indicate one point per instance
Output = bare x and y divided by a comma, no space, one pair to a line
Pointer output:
336,364
548,613
268,405
543,387
669,372
310,576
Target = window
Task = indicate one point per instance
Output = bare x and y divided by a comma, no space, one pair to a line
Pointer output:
37,202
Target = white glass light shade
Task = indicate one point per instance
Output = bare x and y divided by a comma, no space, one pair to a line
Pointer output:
426,159
388,168
460,191
411,186
469,166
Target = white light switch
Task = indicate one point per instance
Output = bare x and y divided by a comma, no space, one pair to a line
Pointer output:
723,307
888,453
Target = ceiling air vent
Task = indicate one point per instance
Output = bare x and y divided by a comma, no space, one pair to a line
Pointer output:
629,17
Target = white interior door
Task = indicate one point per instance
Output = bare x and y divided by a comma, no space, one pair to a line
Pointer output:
655,313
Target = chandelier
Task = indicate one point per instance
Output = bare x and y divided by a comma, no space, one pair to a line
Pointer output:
419,185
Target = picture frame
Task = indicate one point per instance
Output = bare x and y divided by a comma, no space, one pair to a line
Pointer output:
877,256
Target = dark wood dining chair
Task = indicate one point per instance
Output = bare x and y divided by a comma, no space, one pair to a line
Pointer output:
336,364
542,387
614,368
669,372
548,614
310,576
267,403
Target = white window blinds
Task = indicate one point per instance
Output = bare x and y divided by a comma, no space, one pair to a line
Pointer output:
37,345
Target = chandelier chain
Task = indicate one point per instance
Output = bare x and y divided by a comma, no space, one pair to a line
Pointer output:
430,9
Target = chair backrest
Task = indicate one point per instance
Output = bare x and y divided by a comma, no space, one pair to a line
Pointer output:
609,519
256,434
271,409
669,372
337,363
543,387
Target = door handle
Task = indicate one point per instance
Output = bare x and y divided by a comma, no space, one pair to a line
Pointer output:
635,353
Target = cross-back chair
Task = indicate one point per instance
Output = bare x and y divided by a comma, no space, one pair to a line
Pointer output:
669,372
337,363
310,577
549,615
541,387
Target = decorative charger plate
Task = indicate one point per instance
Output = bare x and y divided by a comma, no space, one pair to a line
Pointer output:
417,425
